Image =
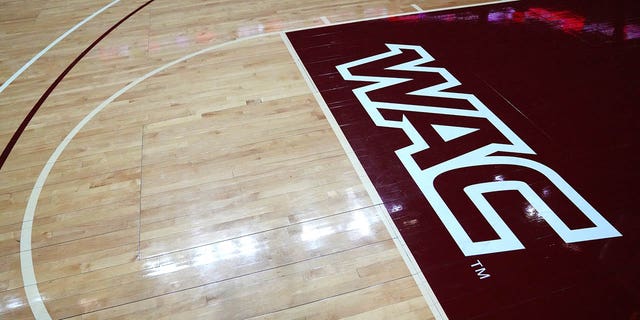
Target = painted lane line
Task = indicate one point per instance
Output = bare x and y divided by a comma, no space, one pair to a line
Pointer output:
406,254
415,6
401,245
325,20
29,280
52,44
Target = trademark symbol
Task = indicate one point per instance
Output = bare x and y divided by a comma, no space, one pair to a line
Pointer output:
480,271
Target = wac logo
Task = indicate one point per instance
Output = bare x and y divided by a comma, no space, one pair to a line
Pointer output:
496,152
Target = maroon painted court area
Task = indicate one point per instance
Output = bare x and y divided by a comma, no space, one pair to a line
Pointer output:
563,78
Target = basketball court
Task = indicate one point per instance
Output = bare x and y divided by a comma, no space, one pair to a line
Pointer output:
313,160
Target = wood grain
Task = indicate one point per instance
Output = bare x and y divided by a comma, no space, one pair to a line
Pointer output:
214,189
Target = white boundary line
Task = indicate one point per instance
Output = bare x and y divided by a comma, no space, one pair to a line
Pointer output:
415,6
382,212
402,14
407,256
52,44
26,260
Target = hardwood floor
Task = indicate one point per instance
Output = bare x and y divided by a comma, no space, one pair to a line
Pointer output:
214,188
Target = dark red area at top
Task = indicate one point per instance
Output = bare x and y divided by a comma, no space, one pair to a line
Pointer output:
563,77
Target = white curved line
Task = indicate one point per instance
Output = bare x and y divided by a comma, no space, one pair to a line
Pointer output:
34,297
41,53
26,261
